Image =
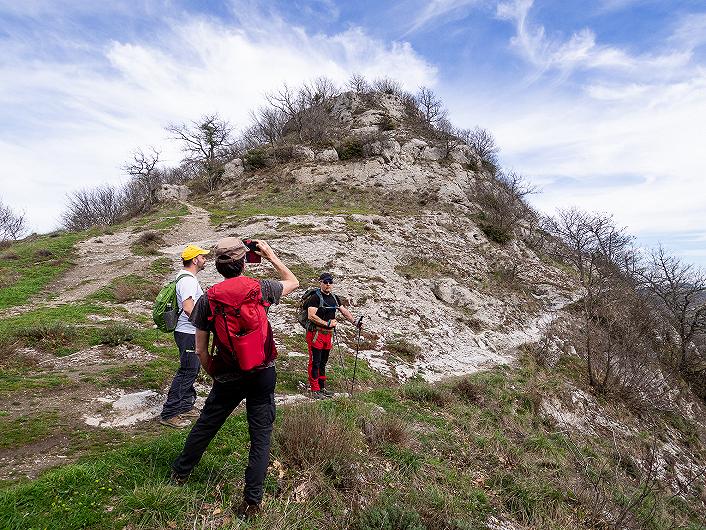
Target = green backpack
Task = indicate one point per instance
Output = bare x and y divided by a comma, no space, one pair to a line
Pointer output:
165,311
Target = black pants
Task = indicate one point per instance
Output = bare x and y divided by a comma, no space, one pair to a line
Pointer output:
258,388
182,394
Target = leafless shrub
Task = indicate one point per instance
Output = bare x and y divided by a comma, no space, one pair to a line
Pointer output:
635,509
503,206
100,206
387,85
306,110
679,291
484,145
145,174
431,108
12,224
358,84
206,144
267,126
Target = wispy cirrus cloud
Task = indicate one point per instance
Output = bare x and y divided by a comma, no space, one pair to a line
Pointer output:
437,9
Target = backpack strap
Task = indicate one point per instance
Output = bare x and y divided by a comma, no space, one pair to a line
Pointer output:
176,282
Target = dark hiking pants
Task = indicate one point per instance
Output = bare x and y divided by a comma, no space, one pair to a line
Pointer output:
182,394
258,388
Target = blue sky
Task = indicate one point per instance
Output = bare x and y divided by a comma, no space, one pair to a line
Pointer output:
601,104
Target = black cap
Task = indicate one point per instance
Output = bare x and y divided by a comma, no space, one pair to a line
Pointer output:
326,276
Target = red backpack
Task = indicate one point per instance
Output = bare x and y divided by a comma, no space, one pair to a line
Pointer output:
242,333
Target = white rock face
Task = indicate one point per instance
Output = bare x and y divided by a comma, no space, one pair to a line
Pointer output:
432,153
303,153
233,170
450,292
172,192
327,155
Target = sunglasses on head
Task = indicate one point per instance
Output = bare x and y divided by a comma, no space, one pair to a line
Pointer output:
327,282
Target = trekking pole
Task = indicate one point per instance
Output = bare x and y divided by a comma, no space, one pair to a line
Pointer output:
355,363
341,359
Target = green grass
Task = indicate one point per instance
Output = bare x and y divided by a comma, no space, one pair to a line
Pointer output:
280,204
51,329
479,450
33,263
126,288
27,429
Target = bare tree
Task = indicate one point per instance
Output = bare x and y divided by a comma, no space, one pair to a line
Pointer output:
358,84
387,86
12,224
267,126
483,143
593,245
145,173
680,290
502,202
206,144
102,206
430,107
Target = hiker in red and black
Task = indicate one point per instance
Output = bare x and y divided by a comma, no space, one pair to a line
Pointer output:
321,310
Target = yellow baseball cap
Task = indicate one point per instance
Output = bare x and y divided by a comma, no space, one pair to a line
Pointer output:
191,251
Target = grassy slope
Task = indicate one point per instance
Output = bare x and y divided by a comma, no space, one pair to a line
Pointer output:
430,457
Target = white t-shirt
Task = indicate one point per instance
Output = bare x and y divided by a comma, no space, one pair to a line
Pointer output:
187,287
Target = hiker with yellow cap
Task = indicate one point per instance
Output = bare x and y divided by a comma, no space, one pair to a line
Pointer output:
178,411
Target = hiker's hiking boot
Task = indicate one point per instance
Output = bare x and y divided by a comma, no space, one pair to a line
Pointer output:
245,510
178,480
327,393
318,394
192,413
176,422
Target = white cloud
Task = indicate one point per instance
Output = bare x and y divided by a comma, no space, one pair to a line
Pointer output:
76,121
436,9
619,133
580,51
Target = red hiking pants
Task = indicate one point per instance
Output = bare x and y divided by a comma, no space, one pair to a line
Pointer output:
319,344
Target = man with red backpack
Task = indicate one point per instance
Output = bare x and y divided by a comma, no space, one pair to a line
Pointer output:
241,362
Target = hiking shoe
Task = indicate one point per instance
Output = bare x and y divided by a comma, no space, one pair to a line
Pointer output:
191,413
178,480
176,422
246,511
328,393
318,394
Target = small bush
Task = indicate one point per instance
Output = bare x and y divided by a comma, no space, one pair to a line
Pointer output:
47,337
496,233
387,123
402,348
148,243
310,437
390,516
385,430
422,392
255,159
5,244
468,391
349,149
115,334
43,254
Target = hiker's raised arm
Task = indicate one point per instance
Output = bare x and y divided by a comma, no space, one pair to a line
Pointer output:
287,278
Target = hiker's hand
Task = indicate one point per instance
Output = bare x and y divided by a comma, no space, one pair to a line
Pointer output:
264,249
333,323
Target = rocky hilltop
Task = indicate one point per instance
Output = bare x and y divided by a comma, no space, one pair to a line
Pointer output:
435,247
